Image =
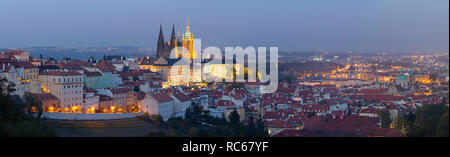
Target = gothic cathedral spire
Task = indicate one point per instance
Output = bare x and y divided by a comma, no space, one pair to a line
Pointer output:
160,47
173,38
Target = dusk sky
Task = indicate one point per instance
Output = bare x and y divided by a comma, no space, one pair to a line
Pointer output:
335,25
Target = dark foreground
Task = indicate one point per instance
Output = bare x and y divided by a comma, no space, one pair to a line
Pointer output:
133,127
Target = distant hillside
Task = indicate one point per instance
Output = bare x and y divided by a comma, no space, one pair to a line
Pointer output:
87,52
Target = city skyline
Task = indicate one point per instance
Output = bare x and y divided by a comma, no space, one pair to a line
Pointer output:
372,26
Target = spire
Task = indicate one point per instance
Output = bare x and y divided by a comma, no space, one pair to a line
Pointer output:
173,38
187,26
160,46
187,34
188,21
161,36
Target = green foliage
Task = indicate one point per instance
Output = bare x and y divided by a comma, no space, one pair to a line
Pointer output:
198,132
221,131
137,89
157,119
234,117
178,123
250,131
198,123
430,120
156,134
400,123
442,126
385,118
145,116
29,129
288,78
261,130
13,120
31,101
136,78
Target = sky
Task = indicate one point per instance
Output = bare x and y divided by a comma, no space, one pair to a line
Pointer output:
333,25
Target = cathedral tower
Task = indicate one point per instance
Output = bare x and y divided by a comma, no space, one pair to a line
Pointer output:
173,38
188,40
160,47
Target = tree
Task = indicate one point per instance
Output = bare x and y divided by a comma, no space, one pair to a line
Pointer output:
220,131
442,126
349,111
136,78
136,89
157,119
359,104
385,118
8,110
261,128
428,120
13,121
400,123
234,117
156,134
193,113
31,101
250,130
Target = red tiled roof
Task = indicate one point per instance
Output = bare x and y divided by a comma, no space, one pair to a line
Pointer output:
372,91
353,123
59,73
162,97
370,109
13,52
45,96
26,65
278,124
92,74
104,66
225,103
140,95
182,97
384,132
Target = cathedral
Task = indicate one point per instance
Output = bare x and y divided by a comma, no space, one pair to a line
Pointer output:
164,48
181,45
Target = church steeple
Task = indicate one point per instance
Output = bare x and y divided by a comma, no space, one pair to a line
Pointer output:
173,38
187,34
160,47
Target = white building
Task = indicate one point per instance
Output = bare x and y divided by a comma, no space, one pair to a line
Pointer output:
66,86
181,103
161,104
91,102
12,74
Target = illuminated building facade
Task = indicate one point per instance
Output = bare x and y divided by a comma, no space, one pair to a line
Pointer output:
30,76
49,102
67,86
164,64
